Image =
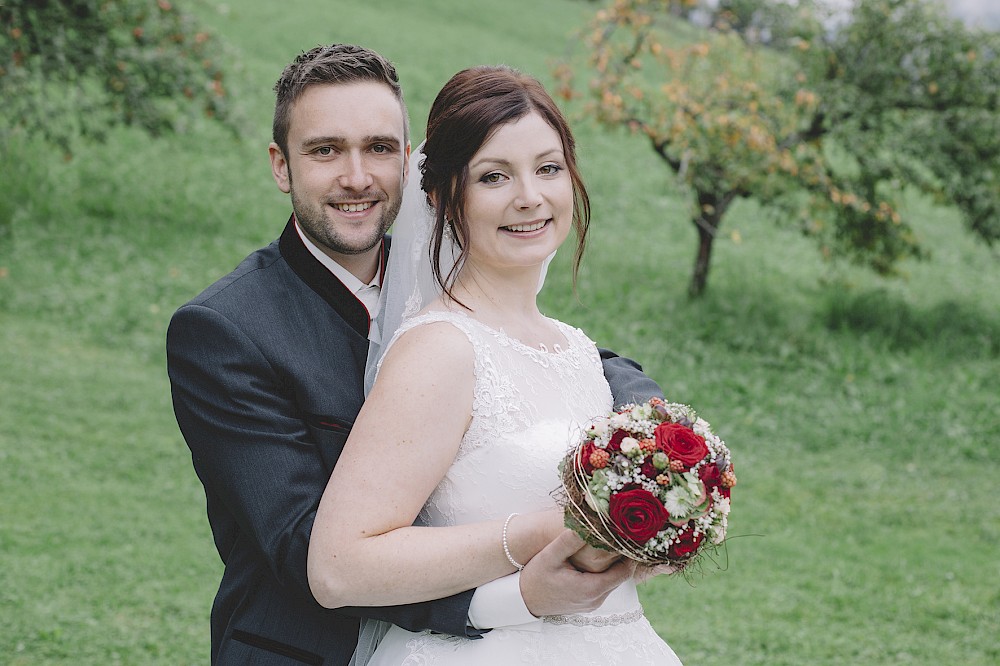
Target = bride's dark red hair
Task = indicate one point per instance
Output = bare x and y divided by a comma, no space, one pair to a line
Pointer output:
469,108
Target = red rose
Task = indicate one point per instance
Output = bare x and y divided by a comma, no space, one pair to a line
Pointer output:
616,440
649,469
687,545
583,458
637,514
712,478
680,443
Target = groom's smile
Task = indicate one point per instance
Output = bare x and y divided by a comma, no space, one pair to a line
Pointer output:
353,207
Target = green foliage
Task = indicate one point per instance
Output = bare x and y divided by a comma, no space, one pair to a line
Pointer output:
911,93
79,67
825,127
914,96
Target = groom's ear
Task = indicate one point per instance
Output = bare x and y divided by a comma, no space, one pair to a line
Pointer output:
279,168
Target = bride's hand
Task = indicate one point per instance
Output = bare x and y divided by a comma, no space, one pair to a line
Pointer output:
593,560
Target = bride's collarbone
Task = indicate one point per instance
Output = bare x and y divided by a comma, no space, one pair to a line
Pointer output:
525,325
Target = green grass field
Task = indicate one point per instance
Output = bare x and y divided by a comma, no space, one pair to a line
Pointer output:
863,414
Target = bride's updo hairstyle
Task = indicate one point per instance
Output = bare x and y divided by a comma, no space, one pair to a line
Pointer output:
465,114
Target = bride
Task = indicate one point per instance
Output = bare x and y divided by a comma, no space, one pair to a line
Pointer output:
478,396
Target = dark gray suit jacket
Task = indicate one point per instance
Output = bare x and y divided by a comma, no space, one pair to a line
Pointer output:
266,369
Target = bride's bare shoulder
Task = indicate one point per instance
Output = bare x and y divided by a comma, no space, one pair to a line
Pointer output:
433,335
433,346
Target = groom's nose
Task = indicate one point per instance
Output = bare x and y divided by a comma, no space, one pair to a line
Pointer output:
357,174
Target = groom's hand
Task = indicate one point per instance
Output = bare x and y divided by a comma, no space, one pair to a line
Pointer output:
551,585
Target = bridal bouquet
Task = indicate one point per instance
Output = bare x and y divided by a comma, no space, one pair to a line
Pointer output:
651,482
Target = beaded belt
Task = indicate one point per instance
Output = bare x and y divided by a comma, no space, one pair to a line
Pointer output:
596,620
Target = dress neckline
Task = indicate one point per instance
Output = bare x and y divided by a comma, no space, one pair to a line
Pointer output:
542,350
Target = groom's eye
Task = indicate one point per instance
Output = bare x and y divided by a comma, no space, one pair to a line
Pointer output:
324,151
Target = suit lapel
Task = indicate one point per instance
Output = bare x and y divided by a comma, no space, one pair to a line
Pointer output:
322,281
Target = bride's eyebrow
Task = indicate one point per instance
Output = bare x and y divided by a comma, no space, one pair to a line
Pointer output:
497,161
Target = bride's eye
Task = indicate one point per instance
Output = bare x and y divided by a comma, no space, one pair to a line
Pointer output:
493,178
549,169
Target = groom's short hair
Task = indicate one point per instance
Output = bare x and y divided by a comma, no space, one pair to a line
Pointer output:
335,63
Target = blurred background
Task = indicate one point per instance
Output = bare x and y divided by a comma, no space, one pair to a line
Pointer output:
795,215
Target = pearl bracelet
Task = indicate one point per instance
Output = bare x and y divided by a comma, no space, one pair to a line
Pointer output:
506,548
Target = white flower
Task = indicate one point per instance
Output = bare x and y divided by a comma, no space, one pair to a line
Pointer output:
629,445
701,427
619,421
643,412
678,502
600,427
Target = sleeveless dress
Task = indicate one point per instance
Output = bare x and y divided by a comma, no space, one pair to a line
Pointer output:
529,405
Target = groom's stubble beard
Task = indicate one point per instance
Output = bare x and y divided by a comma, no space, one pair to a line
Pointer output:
314,221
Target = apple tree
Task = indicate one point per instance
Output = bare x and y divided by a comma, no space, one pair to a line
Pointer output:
822,119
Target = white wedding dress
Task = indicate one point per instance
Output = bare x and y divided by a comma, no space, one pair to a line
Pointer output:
529,405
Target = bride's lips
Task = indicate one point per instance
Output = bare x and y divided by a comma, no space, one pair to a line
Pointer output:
526,227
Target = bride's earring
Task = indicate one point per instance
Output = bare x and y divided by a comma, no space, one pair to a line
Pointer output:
450,237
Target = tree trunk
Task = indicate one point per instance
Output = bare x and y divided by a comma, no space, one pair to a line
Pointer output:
699,278
711,209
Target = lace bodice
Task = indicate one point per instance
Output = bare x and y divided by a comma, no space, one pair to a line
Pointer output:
529,405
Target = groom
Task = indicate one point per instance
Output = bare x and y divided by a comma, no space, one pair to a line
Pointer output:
266,369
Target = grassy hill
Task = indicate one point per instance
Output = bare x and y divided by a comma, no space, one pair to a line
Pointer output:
863,415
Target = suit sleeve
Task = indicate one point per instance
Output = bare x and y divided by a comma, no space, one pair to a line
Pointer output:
259,463
627,380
